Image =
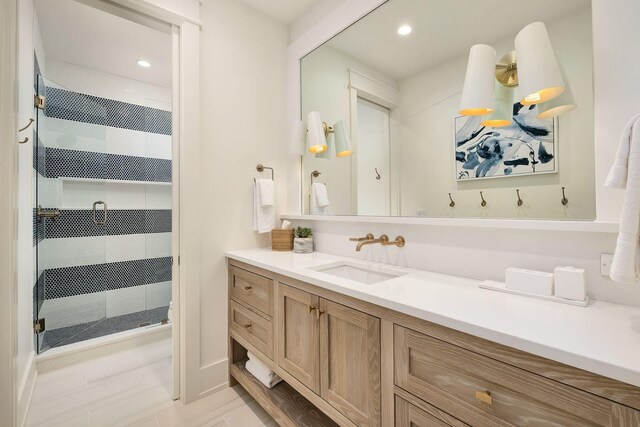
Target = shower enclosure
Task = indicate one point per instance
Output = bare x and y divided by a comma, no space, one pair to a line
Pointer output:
102,214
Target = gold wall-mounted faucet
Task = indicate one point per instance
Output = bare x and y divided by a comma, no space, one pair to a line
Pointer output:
369,240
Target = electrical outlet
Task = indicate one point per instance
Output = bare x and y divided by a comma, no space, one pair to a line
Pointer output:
605,264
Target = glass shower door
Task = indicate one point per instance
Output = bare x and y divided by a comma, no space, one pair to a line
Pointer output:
71,215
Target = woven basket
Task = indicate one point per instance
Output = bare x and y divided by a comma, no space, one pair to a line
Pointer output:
282,239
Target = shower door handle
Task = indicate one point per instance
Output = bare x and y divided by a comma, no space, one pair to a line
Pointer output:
104,209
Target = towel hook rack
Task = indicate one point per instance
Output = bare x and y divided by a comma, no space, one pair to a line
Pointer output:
564,200
484,202
261,168
452,204
315,174
520,202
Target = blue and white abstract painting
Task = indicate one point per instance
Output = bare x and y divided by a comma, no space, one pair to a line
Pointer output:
525,147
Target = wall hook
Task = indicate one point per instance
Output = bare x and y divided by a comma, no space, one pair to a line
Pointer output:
520,202
27,126
24,141
564,200
377,174
484,202
452,204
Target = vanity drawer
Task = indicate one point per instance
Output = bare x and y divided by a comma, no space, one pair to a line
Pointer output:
481,391
254,328
409,415
251,288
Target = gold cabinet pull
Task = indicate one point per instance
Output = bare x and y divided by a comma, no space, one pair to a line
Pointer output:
247,288
247,326
484,396
311,308
320,313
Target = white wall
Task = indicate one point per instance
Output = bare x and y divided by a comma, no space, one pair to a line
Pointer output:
430,101
242,124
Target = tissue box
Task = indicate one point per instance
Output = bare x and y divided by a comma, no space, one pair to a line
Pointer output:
570,283
282,239
533,282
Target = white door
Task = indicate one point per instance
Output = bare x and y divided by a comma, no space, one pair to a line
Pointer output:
373,159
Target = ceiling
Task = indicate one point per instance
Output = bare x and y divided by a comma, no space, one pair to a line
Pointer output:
283,11
442,30
79,34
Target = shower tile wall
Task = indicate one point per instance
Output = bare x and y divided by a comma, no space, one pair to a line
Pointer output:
122,270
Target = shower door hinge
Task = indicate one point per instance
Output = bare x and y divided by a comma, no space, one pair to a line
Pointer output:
39,101
38,326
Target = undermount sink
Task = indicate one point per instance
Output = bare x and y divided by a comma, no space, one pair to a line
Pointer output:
361,273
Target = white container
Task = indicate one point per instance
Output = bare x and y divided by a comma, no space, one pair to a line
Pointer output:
530,281
570,283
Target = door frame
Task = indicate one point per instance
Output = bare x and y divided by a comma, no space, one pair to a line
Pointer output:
185,117
8,210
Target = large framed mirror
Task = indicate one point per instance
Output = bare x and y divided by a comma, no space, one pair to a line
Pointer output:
385,98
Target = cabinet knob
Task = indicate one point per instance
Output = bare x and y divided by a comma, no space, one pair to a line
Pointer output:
247,326
247,288
484,396
311,308
320,313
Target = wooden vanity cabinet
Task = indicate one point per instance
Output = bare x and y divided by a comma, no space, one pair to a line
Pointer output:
332,349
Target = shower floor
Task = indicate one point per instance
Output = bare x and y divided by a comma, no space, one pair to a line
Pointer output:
86,331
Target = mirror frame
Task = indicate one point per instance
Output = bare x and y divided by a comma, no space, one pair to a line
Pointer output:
340,19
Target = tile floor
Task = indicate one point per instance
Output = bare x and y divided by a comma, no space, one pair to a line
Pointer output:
133,388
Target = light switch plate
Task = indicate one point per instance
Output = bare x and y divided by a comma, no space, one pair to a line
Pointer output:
605,264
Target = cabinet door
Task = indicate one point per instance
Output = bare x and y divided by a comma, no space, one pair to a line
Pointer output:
299,336
350,362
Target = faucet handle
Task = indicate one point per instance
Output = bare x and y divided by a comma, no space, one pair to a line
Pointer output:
369,236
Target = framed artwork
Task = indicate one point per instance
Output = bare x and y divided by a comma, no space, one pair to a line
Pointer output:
526,147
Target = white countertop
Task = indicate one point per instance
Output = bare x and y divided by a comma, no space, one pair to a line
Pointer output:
602,338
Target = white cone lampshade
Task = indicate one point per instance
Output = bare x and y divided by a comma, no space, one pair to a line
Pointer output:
326,154
560,105
502,114
539,74
316,138
298,138
477,95
342,140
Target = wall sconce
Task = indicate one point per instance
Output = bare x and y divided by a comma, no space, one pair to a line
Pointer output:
342,140
317,136
298,138
560,105
539,74
532,66
477,95
502,115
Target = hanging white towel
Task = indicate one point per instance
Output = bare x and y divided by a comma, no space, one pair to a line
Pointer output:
322,197
264,217
268,382
267,192
314,208
625,174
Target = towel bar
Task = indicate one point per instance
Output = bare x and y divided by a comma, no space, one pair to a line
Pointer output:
261,168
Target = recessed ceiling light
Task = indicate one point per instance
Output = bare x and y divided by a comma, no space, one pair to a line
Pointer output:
404,30
143,63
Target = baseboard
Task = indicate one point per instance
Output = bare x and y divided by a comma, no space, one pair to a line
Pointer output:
88,350
25,390
214,377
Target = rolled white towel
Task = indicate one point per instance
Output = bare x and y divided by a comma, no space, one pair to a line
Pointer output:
322,197
267,192
268,382
260,366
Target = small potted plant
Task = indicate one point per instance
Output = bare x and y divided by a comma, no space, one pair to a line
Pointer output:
303,241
